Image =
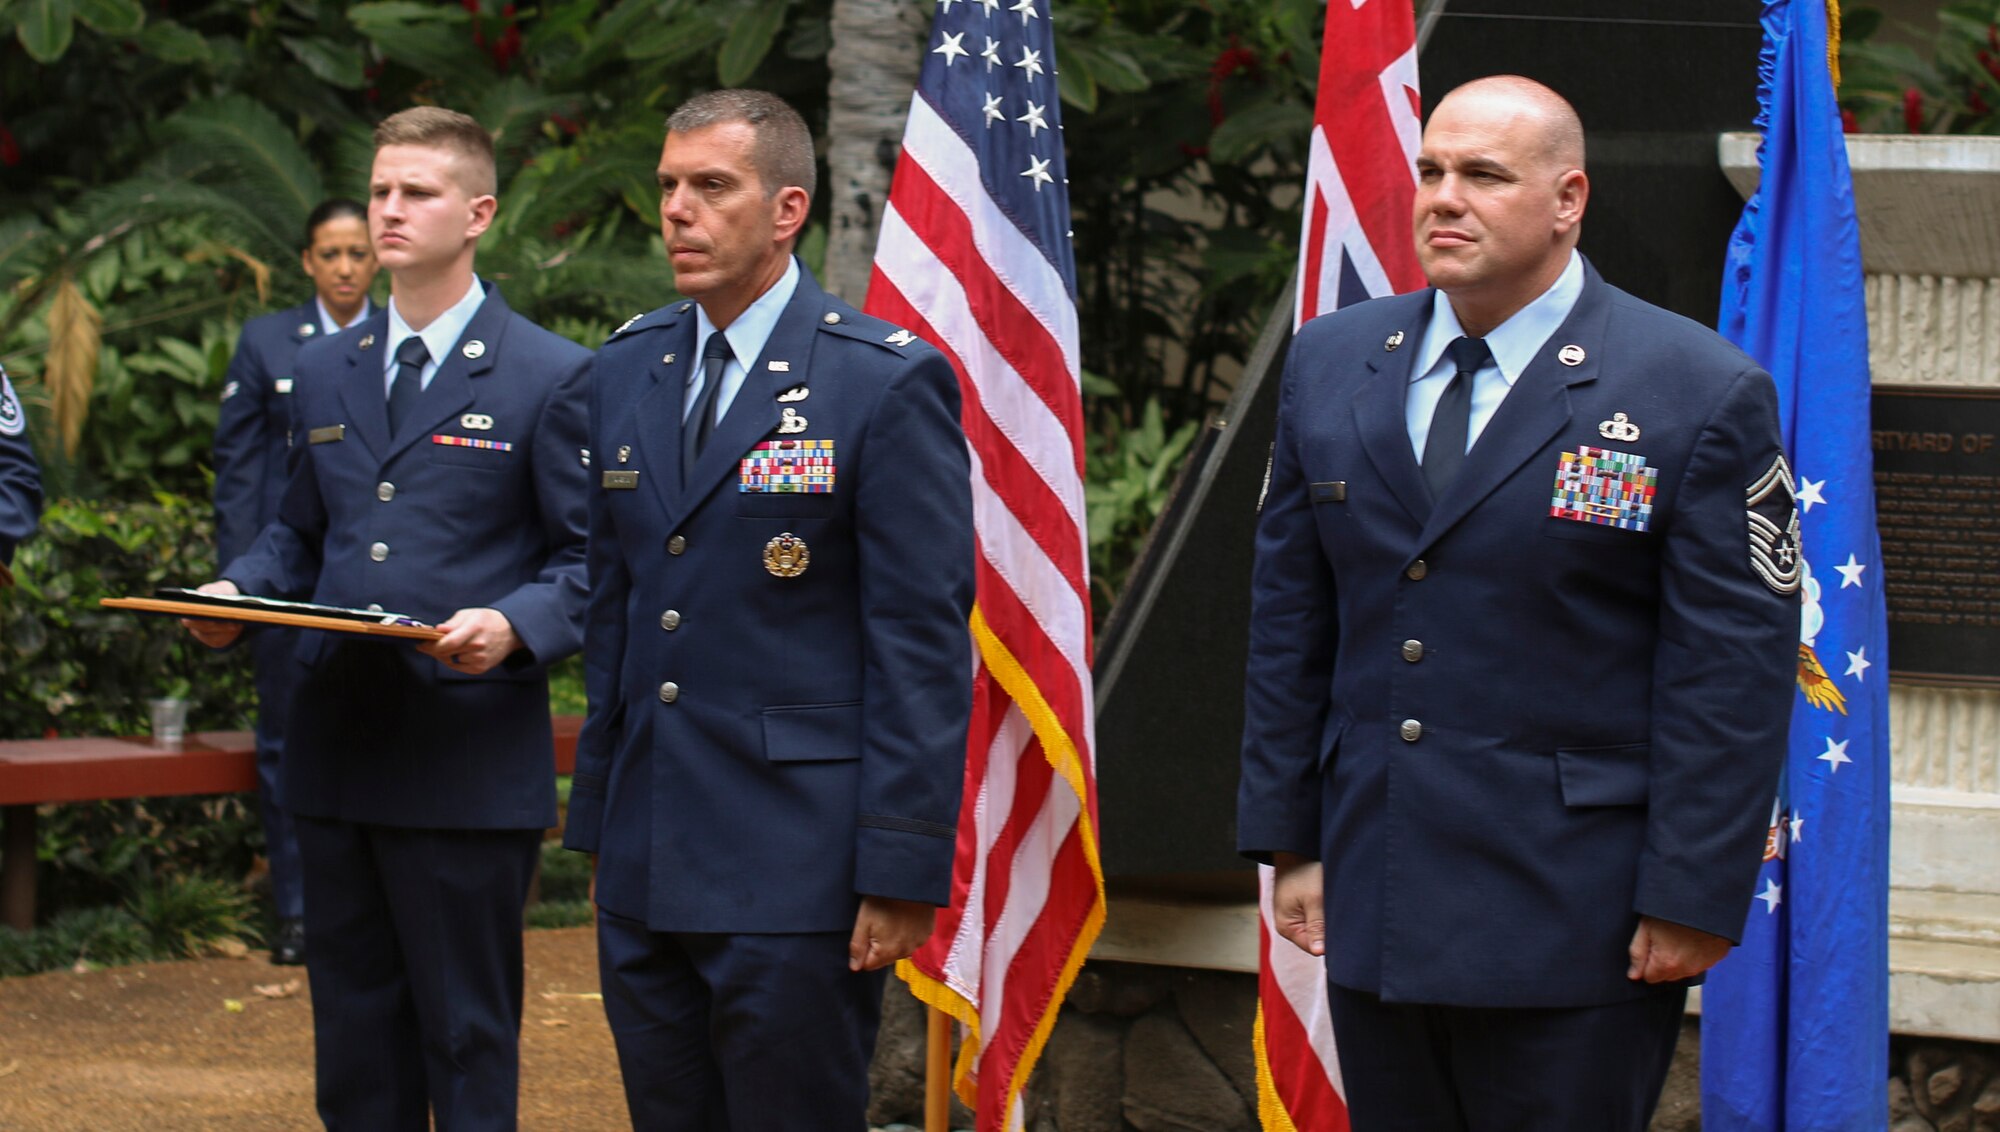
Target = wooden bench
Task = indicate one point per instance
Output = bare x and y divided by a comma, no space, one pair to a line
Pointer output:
34,772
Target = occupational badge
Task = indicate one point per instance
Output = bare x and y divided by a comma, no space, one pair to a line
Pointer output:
478,422
666,359
1774,528
1611,489
786,556
792,422
12,419
1394,340
367,342
781,467
794,395
1618,428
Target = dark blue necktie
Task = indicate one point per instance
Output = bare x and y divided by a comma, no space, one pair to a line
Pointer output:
700,421
1444,451
408,382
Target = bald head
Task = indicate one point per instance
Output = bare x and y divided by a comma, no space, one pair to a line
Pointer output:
1500,196
1549,118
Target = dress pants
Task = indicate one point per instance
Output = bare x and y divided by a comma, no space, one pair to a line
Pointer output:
738,1033
1417,1068
277,677
415,966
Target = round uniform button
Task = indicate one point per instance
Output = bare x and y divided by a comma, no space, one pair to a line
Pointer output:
669,692
1411,731
677,544
1413,651
670,620
379,551
1417,571
374,607
385,491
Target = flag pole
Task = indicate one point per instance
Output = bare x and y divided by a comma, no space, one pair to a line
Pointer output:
937,1070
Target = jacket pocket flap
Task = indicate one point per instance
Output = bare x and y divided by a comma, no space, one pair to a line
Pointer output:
1329,738
812,732
1605,776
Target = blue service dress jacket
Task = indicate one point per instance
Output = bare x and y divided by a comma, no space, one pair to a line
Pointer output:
477,501
1512,720
779,680
252,430
20,481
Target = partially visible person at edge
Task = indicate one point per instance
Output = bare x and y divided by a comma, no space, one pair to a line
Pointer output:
437,472
20,480
1523,634
778,661
253,430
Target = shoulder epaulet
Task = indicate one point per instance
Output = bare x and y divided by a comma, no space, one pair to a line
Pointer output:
867,328
650,319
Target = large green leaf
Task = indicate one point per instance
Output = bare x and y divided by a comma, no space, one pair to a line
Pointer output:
170,42
1255,126
339,64
261,160
749,40
112,17
392,16
44,27
440,52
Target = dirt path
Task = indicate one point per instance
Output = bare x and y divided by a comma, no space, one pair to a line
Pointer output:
156,1047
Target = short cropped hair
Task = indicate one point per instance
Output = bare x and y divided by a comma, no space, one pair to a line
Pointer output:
332,208
438,128
783,153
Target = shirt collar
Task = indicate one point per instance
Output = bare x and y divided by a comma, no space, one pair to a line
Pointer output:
753,327
444,331
1514,342
329,325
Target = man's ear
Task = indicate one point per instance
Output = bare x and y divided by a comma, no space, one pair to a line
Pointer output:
1572,194
483,208
790,208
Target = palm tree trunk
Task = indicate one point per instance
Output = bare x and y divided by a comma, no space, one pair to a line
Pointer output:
876,55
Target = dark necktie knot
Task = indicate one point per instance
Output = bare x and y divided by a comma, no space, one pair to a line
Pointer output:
1469,354
717,349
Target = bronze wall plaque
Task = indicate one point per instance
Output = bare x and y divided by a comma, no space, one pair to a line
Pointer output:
1937,502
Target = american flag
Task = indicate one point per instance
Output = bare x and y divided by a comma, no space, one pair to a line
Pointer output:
975,258
1360,190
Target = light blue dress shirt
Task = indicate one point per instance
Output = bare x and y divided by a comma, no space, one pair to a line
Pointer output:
746,335
439,337
1514,343
329,325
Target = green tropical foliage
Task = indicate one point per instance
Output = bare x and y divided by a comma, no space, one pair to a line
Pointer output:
1950,87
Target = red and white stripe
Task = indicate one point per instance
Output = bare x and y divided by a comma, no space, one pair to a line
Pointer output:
1360,197
1028,894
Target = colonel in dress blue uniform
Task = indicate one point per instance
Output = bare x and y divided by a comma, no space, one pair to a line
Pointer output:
252,438
777,653
1516,707
437,472
20,482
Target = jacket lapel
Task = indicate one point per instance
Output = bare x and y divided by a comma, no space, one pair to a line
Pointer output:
364,389
755,410
450,390
657,415
1534,411
1379,409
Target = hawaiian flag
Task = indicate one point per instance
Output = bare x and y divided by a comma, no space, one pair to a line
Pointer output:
1357,244
975,258
1795,1021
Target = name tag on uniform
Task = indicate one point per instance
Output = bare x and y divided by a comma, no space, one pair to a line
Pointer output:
327,435
620,481
282,385
1334,491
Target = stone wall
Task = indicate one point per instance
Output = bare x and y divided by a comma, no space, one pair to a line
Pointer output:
1141,1048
